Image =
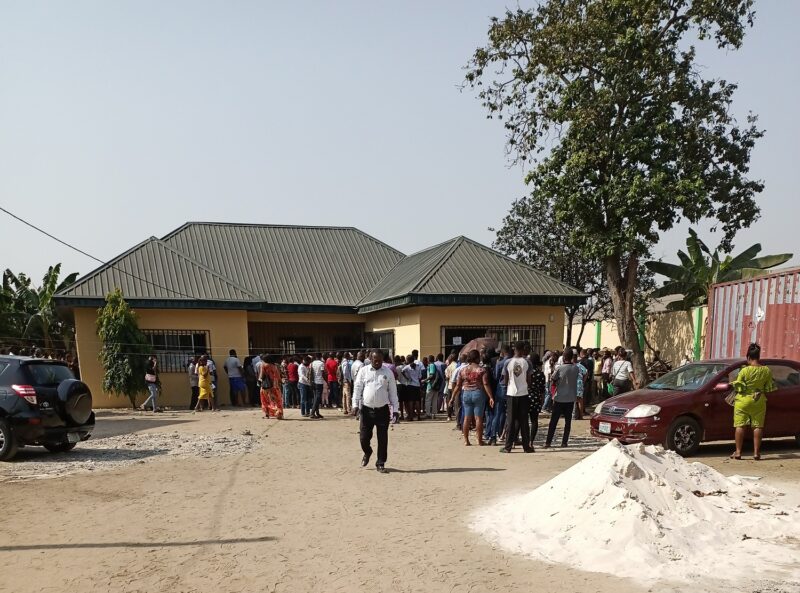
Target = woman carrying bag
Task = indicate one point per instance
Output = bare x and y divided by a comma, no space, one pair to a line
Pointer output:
153,384
750,387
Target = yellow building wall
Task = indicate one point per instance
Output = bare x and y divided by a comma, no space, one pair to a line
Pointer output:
609,336
432,319
228,330
405,323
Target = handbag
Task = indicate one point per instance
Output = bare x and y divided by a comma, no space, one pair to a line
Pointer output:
150,378
610,386
730,399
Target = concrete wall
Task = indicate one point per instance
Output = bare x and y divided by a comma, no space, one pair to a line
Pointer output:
405,323
434,318
228,329
670,332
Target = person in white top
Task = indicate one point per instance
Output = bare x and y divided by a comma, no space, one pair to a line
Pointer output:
622,376
374,390
516,375
318,383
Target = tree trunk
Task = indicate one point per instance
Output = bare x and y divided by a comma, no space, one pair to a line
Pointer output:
132,399
570,311
580,335
621,286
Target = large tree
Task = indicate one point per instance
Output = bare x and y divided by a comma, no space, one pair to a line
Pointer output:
605,101
124,348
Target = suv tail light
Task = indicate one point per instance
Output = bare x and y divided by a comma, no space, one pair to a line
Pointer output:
27,392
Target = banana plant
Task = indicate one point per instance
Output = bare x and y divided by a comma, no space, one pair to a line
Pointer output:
701,268
34,307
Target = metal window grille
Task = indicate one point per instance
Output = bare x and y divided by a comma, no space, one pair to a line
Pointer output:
455,337
174,347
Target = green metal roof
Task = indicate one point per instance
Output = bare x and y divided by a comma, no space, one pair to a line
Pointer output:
303,268
267,264
461,271
290,264
154,270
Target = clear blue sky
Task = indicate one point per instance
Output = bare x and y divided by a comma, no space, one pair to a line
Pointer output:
122,120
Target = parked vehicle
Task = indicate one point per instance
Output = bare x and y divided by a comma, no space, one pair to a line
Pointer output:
686,407
41,403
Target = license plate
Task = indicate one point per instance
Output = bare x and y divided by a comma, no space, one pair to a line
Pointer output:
73,437
604,427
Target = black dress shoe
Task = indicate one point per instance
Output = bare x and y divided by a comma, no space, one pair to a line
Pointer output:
381,469
503,450
364,461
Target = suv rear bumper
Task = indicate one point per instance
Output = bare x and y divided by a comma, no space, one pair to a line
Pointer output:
33,433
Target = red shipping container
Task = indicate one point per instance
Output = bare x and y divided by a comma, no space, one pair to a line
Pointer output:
764,310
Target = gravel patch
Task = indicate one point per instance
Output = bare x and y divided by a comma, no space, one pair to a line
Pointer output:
124,450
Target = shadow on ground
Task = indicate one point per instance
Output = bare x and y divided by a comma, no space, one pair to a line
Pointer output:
101,545
112,426
448,470
83,452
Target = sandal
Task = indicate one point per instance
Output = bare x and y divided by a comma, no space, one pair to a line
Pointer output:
735,456
756,457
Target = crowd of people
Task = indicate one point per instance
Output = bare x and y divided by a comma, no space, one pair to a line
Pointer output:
68,358
498,395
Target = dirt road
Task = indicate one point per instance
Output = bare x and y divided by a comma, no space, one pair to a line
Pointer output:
291,512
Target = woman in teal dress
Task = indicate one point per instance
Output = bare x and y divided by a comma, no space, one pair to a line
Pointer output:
751,385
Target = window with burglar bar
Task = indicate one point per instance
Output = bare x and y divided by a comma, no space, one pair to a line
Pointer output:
174,347
455,337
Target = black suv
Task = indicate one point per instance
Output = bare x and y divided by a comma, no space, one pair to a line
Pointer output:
41,403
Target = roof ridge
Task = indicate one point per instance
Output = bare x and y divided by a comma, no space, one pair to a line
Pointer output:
279,226
201,265
455,243
521,263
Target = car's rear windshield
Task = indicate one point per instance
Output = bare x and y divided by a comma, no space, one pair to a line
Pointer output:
45,374
688,378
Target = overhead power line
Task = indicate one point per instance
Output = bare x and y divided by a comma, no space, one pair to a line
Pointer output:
90,256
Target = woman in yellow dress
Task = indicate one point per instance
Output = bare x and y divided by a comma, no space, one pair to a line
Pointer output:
751,385
204,383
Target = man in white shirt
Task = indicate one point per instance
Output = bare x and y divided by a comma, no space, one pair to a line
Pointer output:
318,380
373,391
358,364
516,375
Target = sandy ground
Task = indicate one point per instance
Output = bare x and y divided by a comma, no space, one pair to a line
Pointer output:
287,508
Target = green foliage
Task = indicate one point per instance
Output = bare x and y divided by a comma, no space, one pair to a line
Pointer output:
28,313
605,101
701,268
124,349
533,236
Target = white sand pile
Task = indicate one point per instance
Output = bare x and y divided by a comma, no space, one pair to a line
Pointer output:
648,514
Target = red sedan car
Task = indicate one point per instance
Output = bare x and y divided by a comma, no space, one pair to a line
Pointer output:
687,406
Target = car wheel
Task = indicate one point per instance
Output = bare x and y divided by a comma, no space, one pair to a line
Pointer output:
60,447
8,441
684,436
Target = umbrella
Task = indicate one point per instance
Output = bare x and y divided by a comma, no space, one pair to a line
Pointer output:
478,343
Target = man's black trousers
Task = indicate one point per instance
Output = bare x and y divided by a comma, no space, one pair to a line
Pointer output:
375,418
517,407
560,409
